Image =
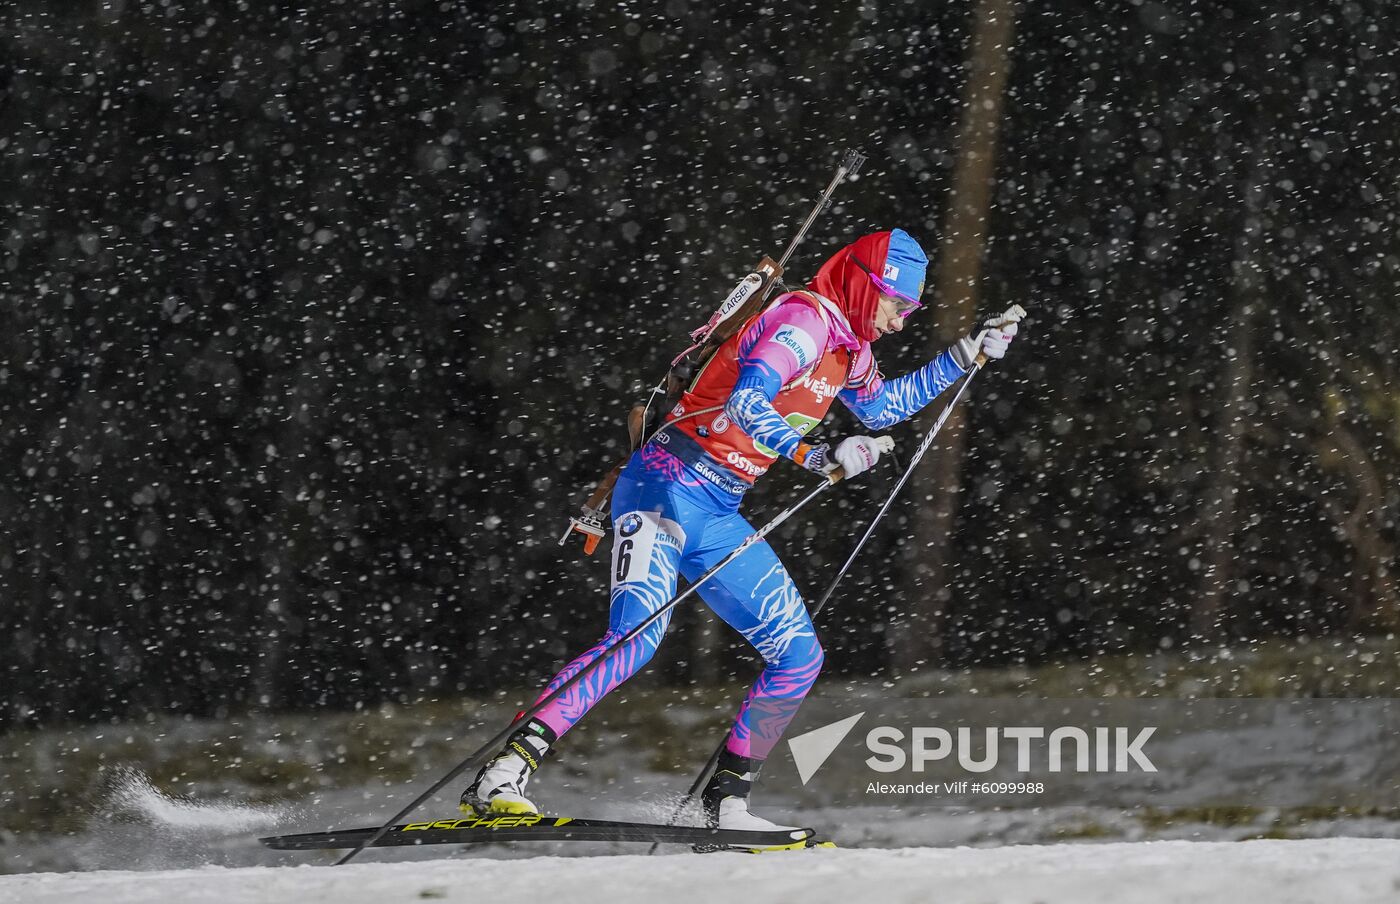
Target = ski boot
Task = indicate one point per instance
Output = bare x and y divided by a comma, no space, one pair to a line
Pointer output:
500,785
726,803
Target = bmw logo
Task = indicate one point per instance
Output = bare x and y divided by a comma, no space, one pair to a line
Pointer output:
630,525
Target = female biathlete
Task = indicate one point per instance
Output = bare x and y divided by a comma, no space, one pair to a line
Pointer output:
675,508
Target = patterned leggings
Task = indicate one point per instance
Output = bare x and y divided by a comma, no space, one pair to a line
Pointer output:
667,522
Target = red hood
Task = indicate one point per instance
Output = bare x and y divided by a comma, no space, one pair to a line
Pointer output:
845,283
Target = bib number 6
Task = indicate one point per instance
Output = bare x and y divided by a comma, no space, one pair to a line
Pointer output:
624,559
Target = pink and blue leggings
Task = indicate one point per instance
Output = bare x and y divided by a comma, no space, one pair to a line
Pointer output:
667,522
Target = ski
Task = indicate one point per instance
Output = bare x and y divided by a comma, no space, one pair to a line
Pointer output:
535,827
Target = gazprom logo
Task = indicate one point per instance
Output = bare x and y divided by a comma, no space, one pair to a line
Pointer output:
799,342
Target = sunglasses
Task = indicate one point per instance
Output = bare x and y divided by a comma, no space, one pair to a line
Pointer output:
903,304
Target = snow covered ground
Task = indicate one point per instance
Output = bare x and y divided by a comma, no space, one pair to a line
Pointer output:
127,834
1351,870
152,847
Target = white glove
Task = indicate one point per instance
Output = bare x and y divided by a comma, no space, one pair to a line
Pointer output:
992,341
995,339
857,454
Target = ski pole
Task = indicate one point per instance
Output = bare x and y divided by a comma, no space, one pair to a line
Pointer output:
899,485
491,746
710,764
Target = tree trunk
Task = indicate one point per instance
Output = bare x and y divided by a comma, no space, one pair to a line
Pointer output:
1221,501
1221,510
1374,598
921,640
284,551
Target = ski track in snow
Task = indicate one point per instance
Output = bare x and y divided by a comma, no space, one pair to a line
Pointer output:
1341,870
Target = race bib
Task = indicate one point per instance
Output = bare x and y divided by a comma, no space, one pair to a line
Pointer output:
638,538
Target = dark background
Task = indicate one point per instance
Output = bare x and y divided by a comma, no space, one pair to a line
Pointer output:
320,319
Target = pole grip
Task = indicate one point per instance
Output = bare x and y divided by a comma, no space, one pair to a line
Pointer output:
1014,314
